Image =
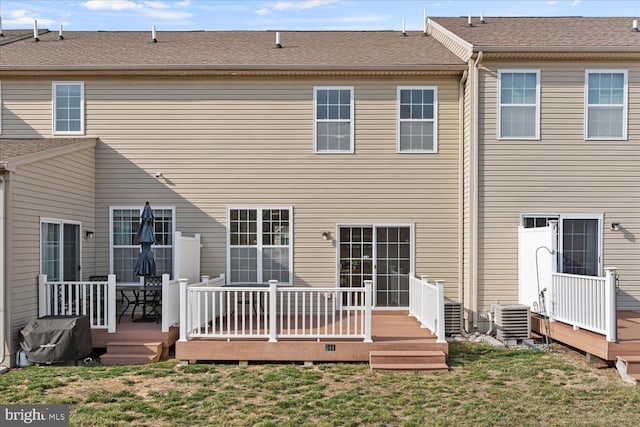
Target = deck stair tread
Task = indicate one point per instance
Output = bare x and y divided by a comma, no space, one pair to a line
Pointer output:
408,360
132,353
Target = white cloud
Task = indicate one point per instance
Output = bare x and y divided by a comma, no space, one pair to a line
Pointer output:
169,15
552,2
575,3
157,5
111,5
24,17
301,5
184,3
263,11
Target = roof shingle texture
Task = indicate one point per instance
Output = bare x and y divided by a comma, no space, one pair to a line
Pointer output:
300,49
12,148
545,32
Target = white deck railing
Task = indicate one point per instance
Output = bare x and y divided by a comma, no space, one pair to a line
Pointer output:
211,310
170,303
426,304
585,302
94,299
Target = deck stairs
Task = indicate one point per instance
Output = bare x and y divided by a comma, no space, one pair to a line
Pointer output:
131,353
408,360
629,368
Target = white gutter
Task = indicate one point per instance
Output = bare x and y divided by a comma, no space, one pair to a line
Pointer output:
3,323
463,80
474,197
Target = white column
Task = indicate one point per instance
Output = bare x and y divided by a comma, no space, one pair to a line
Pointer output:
611,308
183,310
368,286
273,295
44,297
440,309
111,303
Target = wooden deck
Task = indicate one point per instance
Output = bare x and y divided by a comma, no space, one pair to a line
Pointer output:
628,343
128,331
392,330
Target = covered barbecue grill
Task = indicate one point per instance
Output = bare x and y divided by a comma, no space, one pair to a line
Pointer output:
54,339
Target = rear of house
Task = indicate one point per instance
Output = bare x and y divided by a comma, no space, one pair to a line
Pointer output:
300,164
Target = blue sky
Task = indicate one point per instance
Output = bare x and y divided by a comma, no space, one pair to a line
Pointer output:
281,14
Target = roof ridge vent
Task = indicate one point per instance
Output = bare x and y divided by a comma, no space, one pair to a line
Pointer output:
35,31
60,36
154,37
278,45
634,27
469,24
404,32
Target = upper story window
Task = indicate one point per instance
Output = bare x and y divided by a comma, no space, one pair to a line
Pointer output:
68,108
606,104
417,123
519,104
333,119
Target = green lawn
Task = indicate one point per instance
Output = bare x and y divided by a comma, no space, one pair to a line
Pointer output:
486,386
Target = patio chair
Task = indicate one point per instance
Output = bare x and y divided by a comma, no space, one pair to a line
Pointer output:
151,297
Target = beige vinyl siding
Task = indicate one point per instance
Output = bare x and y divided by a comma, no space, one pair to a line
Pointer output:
561,173
249,142
60,187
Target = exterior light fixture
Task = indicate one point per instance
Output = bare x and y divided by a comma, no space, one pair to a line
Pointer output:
326,235
615,226
88,234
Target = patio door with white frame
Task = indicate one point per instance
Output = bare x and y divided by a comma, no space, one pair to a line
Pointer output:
579,241
60,250
381,253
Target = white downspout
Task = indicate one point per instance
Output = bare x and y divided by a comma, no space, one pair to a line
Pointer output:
463,80
3,323
474,196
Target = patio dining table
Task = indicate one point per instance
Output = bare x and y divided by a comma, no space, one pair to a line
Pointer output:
130,294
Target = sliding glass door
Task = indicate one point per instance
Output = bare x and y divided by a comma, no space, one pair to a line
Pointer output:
60,249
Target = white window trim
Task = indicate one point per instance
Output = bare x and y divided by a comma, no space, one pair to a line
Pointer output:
537,105
61,222
140,208
412,253
53,109
316,120
259,245
434,120
625,105
563,216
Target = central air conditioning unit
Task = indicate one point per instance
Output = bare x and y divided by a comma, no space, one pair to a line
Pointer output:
513,322
452,317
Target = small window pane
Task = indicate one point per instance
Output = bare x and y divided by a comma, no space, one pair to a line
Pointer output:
405,96
333,97
345,97
322,96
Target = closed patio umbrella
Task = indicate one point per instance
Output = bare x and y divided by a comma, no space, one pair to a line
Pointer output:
146,265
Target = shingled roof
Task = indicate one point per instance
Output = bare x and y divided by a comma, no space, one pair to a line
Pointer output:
229,49
545,33
24,148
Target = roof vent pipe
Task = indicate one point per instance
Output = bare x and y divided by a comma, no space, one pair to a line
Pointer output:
482,21
154,39
1,33
278,45
404,33
60,36
35,31
634,27
424,22
469,24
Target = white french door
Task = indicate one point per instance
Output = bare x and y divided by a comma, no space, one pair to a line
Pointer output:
60,250
381,253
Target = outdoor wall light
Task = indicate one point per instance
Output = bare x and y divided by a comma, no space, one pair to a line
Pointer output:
615,226
88,234
158,174
326,235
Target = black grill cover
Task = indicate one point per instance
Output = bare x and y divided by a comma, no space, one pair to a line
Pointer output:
54,339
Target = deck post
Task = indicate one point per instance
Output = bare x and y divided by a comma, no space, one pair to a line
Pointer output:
111,303
273,292
611,308
440,308
183,310
422,305
368,285
44,297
